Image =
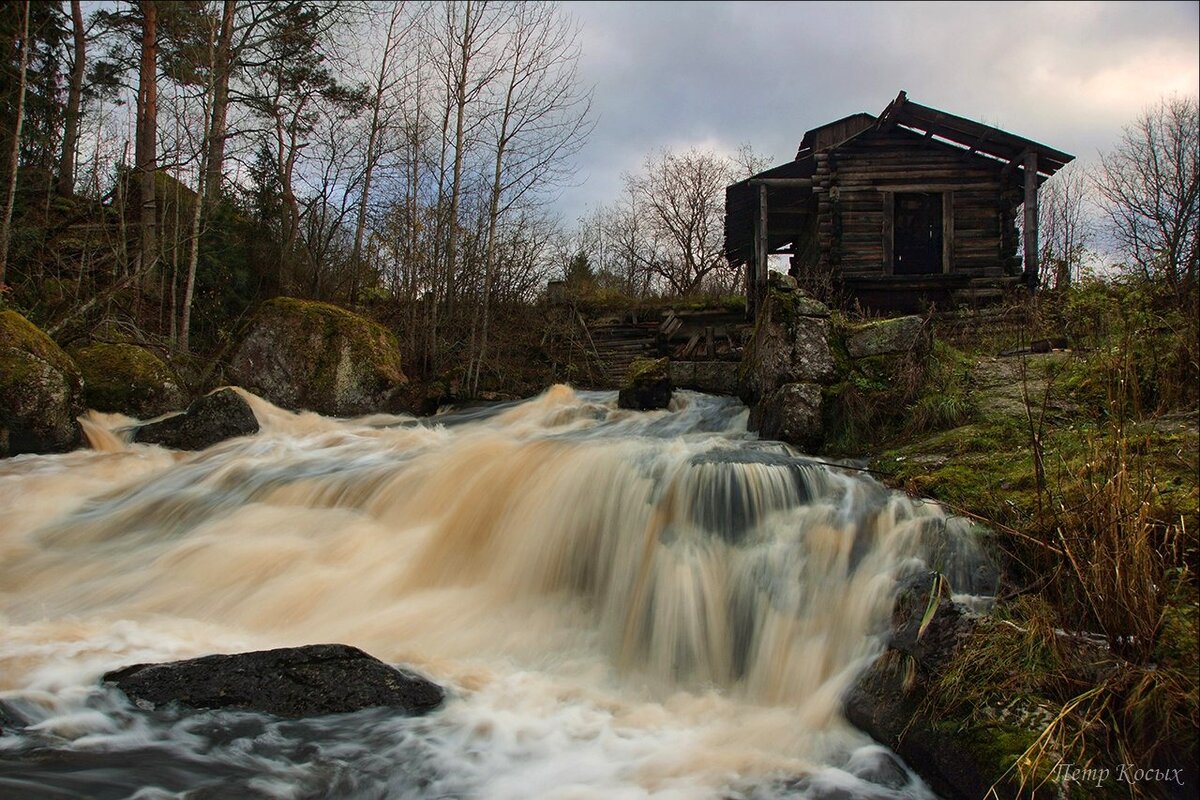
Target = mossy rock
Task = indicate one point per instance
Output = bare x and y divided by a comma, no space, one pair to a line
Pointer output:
302,354
888,336
647,385
791,343
40,390
128,379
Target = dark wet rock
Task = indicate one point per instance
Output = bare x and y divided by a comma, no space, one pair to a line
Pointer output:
792,413
713,377
215,417
301,354
10,721
288,682
879,767
128,379
887,700
647,385
41,391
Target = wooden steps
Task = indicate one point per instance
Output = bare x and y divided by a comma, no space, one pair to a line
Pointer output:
618,344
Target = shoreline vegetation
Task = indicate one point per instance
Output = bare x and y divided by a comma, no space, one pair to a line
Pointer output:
1080,466
394,219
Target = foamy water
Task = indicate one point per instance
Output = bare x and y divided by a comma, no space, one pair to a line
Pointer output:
621,605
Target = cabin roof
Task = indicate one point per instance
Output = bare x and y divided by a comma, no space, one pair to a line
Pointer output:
901,114
833,133
975,136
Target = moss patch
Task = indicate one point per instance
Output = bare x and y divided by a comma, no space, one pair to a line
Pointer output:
39,390
316,356
18,333
647,369
127,379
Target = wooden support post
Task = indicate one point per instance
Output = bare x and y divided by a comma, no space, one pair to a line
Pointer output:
709,343
1031,219
889,216
760,246
947,232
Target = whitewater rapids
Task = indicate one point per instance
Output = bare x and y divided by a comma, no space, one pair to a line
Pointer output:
620,604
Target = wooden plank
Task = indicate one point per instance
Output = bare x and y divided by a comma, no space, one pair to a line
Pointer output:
797,182
889,232
1031,219
947,232
761,247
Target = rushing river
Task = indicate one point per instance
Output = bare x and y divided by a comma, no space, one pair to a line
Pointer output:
620,605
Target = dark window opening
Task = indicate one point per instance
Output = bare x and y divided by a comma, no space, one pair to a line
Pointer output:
918,233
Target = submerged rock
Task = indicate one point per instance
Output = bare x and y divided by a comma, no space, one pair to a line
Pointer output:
41,391
10,723
288,682
647,385
128,379
305,355
213,418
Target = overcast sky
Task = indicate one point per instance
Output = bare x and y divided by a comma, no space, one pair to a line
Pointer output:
713,75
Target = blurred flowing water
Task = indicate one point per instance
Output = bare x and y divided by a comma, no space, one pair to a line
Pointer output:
620,604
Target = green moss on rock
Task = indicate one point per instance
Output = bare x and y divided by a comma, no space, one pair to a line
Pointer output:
647,385
40,389
128,379
303,354
643,369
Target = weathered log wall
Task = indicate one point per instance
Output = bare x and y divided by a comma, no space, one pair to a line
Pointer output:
855,185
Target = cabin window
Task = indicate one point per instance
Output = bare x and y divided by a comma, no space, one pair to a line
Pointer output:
918,220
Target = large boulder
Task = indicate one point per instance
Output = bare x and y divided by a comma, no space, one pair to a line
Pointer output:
790,344
213,418
301,354
791,413
888,337
41,391
127,379
647,385
288,682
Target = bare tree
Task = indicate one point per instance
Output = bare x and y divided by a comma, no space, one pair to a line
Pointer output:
1149,188
1063,227
385,81
70,142
146,144
542,122
222,60
683,198
15,152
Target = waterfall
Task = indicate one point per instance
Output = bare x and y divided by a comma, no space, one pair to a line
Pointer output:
621,604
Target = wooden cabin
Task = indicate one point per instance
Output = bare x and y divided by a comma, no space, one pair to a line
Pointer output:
896,212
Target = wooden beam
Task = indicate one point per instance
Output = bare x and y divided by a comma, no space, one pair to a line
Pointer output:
760,246
947,232
933,187
1031,219
800,182
889,216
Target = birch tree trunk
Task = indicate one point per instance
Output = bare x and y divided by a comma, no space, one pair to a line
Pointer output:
360,227
66,163
15,153
222,69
